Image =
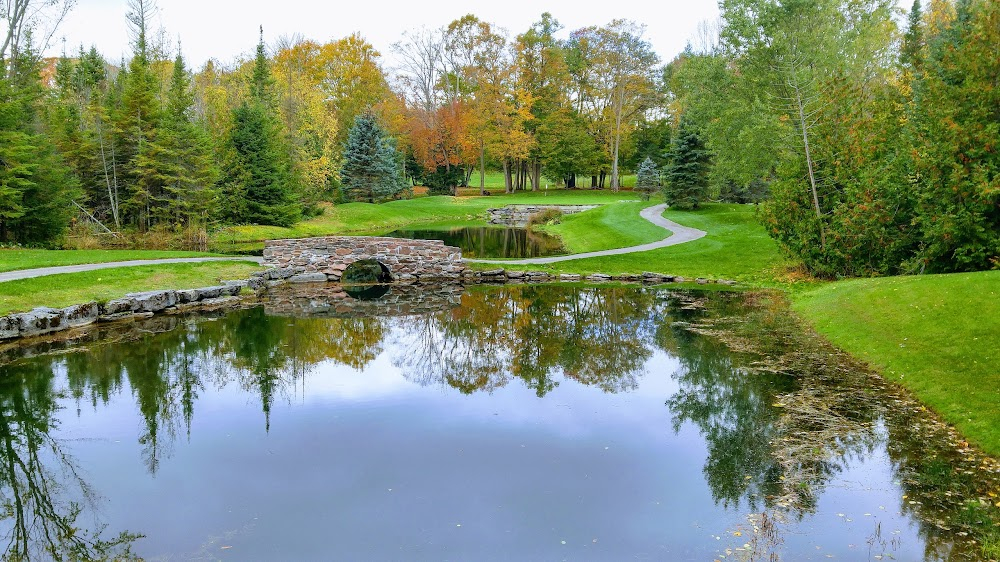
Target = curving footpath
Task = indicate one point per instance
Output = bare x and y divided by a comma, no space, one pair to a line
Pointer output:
680,234
43,271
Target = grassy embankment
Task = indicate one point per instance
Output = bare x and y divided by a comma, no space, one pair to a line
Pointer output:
102,285
736,247
937,335
13,260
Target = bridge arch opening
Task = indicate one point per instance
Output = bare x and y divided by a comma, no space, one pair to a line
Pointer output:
366,272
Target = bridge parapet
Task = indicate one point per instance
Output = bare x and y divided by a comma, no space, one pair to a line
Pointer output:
406,260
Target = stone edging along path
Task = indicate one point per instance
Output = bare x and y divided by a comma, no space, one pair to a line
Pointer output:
43,271
681,234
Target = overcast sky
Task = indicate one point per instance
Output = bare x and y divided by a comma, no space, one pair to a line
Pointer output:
227,29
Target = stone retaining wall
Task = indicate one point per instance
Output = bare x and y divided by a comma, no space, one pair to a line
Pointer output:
325,259
519,215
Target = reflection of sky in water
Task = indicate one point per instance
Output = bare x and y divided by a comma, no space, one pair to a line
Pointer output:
369,465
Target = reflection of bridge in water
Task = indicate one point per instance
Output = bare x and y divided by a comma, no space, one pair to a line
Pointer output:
337,301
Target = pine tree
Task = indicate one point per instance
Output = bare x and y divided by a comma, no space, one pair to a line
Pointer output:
36,187
136,125
184,147
647,179
372,170
686,184
257,187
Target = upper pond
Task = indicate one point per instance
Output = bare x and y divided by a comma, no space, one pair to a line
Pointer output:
516,423
491,241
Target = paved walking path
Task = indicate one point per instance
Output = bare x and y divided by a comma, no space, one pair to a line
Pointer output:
681,234
43,271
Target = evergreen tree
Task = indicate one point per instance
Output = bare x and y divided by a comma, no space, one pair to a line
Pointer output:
958,124
36,188
647,179
372,170
257,186
188,171
136,125
688,164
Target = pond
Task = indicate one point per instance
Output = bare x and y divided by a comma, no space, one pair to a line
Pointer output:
529,422
491,241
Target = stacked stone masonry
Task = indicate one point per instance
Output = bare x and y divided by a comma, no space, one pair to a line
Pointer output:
519,215
326,259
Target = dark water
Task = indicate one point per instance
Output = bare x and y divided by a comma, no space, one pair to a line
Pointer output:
519,423
491,242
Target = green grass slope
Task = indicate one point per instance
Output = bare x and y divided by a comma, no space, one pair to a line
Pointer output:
102,285
938,335
13,260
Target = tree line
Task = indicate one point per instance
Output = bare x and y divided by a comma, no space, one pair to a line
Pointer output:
146,144
874,134
869,136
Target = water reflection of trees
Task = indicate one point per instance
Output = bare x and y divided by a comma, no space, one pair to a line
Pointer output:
598,337
783,413
41,490
779,416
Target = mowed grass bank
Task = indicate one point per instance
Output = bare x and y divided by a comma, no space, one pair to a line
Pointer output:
937,335
14,260
355,218
736,247
59,291
607,227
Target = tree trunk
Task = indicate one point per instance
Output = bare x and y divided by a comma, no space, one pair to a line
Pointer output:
593,181
482,168
536,174
809,164
618,138
508,185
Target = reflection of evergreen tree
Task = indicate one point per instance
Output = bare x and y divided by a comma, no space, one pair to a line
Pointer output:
733,411
41,492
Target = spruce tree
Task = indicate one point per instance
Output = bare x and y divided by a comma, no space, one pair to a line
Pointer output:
189,170
257,187
372,170
137,121
688,162
36,187
647,179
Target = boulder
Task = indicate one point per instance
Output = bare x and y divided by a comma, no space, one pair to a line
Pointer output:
117,307
569,277
81,314
41,321
187,295
516,274
9,327
153,301
210,292
599,277
308,278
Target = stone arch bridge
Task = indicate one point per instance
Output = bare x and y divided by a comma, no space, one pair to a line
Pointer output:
326,258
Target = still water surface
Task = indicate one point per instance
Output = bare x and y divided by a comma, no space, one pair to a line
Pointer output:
524,423
491,241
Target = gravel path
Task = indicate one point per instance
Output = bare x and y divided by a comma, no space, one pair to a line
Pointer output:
680,234
43,271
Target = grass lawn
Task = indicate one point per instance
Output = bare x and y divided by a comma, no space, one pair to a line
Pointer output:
367,217
610,226
494,181
938,335
12,260
736,247
75,288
